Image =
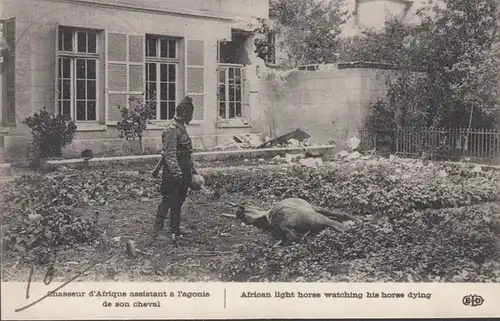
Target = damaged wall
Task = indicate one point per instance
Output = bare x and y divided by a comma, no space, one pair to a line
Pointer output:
329,104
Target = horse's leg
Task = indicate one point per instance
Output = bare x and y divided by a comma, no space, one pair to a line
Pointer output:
335,215
291,235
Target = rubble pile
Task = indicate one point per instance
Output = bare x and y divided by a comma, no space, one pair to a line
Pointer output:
294,139
241,141
406,166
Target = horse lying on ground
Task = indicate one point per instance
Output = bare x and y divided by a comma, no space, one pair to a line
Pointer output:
291,219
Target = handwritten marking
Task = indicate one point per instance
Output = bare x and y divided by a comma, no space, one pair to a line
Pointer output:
47,278
61,286
29,283
49,275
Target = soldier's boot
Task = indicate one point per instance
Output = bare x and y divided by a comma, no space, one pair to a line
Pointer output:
158,225
175,224
161,214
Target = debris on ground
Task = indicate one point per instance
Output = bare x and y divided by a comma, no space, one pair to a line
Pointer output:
131,250
241,141
343,154
293,137
353,143
311,162
477,169
292,142
442,173
372,162
249,140
229,145
63,168
354,155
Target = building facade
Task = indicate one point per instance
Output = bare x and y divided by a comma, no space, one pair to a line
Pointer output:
373,14
84,58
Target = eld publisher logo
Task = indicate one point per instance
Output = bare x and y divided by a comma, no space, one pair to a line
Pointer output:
472,300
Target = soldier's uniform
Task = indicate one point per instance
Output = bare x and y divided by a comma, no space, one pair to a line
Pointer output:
177,174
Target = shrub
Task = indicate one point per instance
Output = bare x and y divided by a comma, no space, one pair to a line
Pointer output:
50,134
381,124
135,120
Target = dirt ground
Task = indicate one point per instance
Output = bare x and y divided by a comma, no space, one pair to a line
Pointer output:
211,238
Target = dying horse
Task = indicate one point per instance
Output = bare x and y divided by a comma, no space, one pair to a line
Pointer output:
289,220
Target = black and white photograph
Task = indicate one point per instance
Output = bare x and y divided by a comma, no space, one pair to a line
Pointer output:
249,141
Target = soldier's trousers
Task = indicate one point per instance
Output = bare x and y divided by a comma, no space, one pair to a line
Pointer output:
173,194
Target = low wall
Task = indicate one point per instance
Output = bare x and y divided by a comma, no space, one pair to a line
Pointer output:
17,148
326,151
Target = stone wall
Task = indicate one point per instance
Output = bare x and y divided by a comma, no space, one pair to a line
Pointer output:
330,104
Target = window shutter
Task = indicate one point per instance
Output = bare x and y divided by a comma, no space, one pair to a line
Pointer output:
56,67
195,76
9,62
245,97
136,48
116,75
125,71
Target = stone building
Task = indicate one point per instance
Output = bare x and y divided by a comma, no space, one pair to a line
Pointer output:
84,58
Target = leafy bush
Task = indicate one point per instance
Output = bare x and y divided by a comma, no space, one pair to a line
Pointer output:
41,208
50,134
381,189
135,120
381,124
434,245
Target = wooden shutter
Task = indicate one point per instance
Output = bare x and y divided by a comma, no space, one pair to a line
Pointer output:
136,74
56,66
195,76
9,67
125,71
245,95
116,75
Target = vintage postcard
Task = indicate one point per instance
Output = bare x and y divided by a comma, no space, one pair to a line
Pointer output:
249,159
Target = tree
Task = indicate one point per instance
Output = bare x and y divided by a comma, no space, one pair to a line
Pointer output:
456,45
135,120
464,61
309,29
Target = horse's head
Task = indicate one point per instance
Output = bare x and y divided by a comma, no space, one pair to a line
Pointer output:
249,214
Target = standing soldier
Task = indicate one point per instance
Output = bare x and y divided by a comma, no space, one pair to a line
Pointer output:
178,168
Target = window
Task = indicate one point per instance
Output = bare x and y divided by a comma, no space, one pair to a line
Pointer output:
77,66
162,63
230,91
